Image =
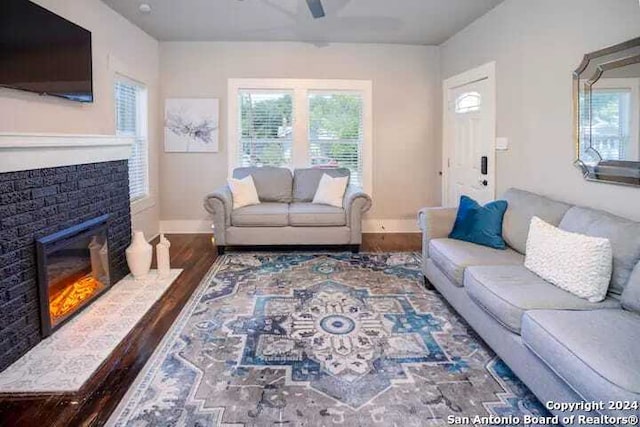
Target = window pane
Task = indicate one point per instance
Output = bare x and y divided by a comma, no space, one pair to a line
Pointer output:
130,103
266,128
126,111
335,131
468,102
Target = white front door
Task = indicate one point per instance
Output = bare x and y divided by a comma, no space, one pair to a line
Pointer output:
469,141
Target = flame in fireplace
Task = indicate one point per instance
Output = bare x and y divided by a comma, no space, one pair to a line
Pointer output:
72,296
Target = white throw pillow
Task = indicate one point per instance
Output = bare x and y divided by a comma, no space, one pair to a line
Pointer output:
331,190
243,191
574,262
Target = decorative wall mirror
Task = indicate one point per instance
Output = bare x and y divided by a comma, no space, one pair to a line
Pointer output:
607,114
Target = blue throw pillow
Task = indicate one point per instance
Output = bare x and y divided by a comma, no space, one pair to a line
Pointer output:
480,224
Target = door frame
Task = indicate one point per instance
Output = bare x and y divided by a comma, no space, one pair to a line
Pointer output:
484,72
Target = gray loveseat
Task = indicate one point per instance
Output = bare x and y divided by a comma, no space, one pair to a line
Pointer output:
285,215
564,348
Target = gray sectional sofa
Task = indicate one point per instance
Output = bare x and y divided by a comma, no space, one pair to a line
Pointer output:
285,215
564,348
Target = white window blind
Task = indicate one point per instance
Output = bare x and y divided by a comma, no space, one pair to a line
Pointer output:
265,128
131,117
336,131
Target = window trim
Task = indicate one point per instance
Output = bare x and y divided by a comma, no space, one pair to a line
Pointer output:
301,88
146,201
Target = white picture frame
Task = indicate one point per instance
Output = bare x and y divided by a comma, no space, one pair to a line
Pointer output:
191,125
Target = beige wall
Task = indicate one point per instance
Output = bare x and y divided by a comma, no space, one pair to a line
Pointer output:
406,115
118,46
536,46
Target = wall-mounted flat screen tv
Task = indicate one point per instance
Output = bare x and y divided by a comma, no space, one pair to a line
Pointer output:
44,53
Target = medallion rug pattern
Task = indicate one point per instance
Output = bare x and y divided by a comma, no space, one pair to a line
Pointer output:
320,339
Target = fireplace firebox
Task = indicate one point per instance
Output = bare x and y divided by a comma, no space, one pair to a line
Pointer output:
73,270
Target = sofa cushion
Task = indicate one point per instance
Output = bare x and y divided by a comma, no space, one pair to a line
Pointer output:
523,206
574,262
596,352
243,192
305,181
631,294
453,256
623,234
480,224
331,191
262,215
273,184
507,292
315,215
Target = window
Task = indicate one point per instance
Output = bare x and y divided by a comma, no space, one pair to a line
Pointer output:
301,123
468,102
131,121
335,131
266,132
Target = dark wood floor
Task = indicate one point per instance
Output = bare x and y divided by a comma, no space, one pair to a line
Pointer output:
93,404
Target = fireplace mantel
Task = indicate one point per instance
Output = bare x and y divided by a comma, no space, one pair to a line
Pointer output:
21,151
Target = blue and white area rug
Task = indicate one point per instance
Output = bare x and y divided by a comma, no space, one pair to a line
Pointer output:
320,340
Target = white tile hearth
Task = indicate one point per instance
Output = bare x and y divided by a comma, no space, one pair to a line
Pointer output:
67,359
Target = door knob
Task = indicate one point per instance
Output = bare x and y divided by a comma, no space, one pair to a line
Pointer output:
484,182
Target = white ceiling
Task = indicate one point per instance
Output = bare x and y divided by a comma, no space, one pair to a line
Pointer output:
428,22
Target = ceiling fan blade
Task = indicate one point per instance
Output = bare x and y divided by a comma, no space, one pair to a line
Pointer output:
315,6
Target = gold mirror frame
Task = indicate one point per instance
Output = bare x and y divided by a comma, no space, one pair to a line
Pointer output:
620,172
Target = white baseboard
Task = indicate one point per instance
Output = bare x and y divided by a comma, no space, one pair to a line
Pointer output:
368,226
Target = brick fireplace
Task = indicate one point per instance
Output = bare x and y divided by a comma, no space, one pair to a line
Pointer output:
39,202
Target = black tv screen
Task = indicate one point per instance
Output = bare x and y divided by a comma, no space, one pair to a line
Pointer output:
44,53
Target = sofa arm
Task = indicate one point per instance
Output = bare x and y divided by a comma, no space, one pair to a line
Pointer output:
435,223
220,204
355,203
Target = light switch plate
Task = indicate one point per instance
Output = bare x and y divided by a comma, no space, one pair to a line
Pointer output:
502,143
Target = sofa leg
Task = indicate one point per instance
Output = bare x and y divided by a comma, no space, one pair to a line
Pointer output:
220,250
355,249
427,284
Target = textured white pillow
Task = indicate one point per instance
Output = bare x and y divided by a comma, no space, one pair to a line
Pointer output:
243,191
331,190
574,262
